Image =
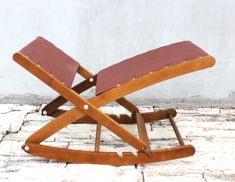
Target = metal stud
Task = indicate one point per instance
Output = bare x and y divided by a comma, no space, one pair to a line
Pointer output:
150,72
86,107
26,148
118,85
91,79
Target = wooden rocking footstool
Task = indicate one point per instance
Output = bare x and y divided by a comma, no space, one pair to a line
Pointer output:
58,70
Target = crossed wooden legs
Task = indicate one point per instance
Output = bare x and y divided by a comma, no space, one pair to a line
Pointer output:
144,154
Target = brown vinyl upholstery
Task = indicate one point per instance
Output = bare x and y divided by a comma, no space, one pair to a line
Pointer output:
52,60
142,64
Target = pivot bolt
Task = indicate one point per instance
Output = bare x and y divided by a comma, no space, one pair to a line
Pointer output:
26,148
44,113
91,79
86,107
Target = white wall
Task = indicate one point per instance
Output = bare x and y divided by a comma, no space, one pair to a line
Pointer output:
99,33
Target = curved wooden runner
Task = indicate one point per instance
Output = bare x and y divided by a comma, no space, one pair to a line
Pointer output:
111,158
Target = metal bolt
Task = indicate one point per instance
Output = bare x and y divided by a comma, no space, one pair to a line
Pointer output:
26,148
85,107
91,79
44,113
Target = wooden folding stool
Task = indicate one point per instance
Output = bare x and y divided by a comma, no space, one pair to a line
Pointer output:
58,71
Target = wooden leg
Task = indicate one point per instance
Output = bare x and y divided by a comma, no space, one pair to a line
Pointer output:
75,114
97,137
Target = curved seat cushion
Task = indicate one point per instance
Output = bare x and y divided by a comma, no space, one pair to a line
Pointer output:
51,59
142,64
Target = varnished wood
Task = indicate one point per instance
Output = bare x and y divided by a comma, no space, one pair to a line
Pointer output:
92,111
142,131
177,133
97,137
127,104
84,72
153,78
51,107
111,158
124,118
57,124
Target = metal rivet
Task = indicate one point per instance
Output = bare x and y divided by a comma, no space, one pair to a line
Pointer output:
85,107
133,78
38,65
44,112
91,79
26,148
150,72
118,85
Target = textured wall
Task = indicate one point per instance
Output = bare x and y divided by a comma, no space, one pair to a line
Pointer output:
100,33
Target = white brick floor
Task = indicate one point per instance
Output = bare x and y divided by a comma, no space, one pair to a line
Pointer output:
210,130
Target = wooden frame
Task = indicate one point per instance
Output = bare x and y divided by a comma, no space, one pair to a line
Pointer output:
87,111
